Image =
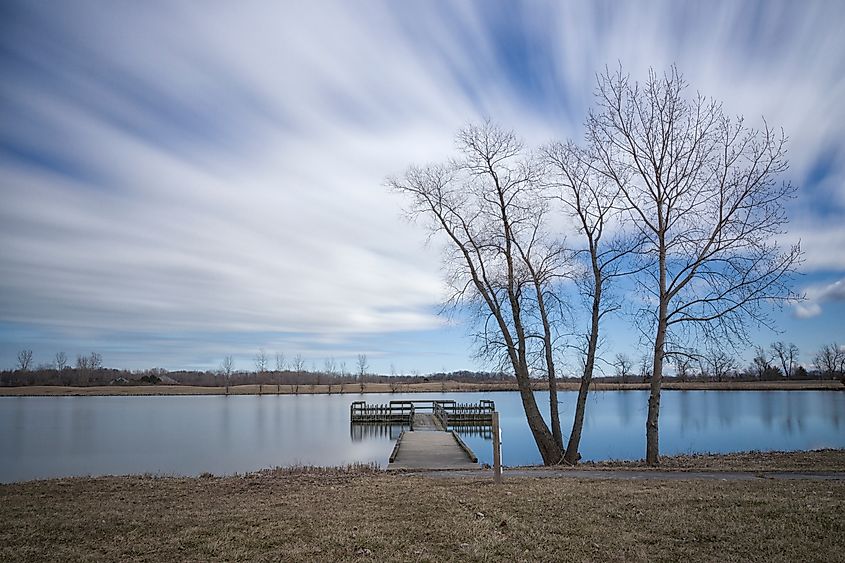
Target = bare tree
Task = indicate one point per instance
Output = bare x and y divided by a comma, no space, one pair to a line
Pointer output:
363,366
280,362
486,205
226,371
830,360
593,202
646,366
298,364
624,366
760,362
787,354
260,368
717,363
702,191
24,360
260,361
683,363
61,361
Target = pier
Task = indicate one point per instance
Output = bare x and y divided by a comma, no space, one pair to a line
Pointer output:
430,442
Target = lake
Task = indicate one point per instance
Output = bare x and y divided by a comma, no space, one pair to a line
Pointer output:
43,437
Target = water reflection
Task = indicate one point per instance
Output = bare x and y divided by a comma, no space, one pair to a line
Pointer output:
55,436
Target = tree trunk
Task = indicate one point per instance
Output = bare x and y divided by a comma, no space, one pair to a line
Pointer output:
572,456
652,448
550,451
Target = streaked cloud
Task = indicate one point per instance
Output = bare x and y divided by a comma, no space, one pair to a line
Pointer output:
170,169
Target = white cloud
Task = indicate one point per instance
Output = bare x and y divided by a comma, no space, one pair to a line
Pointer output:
223,168
817,296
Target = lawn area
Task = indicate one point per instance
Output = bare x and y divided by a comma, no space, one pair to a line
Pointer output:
374,516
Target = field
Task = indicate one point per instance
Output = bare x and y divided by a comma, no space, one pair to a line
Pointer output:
366,515
355,388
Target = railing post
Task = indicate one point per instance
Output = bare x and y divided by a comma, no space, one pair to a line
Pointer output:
497,450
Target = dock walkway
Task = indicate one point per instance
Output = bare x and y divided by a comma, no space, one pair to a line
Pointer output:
431,450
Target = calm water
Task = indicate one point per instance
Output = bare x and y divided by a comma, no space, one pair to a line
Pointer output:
59,436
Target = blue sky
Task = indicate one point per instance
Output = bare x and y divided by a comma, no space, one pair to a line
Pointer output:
182,182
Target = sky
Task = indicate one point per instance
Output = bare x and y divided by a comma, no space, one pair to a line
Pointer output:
181,181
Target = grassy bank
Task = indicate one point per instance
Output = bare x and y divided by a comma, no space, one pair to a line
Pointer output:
427,387
373,516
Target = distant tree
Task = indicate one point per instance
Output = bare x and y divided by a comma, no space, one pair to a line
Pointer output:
24,360
787,354
280,362
624,366
363,366
95,360
760,362
830,360
61,361
298,364
683,364
800,372
718,363
261,361
645,368
226,371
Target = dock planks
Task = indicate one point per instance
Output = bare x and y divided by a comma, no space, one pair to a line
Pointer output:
430,450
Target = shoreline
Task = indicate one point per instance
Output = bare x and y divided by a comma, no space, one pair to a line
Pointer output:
392,388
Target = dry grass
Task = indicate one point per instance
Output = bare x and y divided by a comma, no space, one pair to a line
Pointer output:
449,386
796,461
349,516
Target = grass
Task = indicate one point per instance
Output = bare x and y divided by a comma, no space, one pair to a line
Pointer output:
360,514
423,387
754,461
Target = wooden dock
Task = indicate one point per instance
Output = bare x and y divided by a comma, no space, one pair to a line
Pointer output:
428,443
431,450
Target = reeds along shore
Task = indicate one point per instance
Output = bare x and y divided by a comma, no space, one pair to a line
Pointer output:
422,387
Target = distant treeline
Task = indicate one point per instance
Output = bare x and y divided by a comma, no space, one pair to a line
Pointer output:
79,377
84,377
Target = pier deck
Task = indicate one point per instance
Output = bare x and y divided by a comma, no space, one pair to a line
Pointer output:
431,450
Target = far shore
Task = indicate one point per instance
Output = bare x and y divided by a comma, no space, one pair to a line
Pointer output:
389,388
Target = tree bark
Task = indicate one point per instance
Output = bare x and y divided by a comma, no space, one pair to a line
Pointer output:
652,447
572,455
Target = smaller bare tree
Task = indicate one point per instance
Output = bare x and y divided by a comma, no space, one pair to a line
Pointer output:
363,366
24,360
760,362
624,366
61,361
787,354
830,360
226,371
717,363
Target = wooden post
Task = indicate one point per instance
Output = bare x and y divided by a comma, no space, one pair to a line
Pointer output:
497,450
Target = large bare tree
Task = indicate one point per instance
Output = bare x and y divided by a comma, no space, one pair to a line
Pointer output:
704,193
593,202
498,260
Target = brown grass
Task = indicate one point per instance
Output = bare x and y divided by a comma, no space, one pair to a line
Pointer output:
347,516
353,388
